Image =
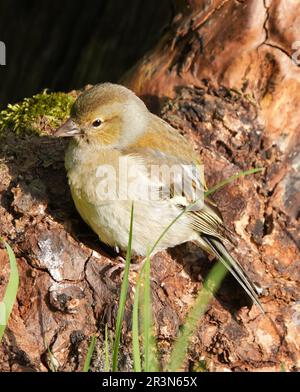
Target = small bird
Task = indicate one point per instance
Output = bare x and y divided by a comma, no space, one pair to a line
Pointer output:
115,136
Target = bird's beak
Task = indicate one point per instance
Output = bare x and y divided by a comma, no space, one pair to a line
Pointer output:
68,129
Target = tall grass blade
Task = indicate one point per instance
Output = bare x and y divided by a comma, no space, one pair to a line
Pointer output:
135,326
52,361
123,296
146,315
7,303
150,351
89,355
211,285
221,184
205,296
106,349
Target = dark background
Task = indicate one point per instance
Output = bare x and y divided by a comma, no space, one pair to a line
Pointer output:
63,45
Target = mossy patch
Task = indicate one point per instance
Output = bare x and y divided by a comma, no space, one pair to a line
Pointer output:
36,115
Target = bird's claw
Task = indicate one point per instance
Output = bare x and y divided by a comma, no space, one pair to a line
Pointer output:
120,265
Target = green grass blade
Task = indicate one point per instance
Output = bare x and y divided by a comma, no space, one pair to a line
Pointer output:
166,230
221,184
91,349
135,326
204,296
146,315
211,285
123,297
10,295
282,367
52,363
106,349
150,352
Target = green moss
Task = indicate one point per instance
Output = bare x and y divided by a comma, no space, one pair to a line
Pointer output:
38,114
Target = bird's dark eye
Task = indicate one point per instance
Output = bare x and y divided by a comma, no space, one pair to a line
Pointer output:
97,123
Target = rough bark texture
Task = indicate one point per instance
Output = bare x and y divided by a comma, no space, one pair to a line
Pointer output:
234,89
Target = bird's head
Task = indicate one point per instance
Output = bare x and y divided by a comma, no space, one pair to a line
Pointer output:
108,115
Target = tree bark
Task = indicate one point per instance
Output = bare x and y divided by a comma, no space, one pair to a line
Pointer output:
223,74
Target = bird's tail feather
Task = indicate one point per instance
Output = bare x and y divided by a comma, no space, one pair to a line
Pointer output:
233,267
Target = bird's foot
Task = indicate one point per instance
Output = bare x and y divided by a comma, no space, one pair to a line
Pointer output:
120,265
